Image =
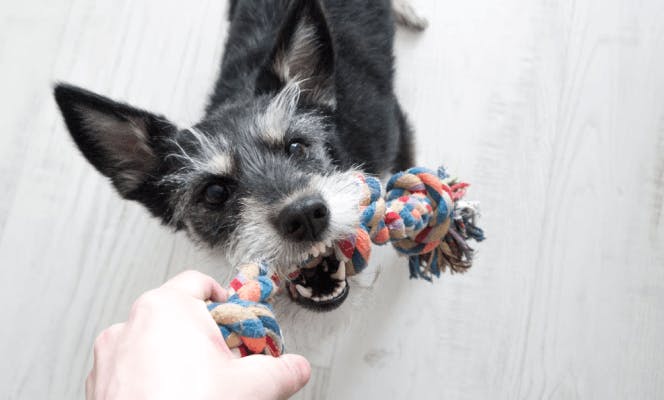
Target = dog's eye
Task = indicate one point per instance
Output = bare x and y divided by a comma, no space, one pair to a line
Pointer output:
216,194
296,149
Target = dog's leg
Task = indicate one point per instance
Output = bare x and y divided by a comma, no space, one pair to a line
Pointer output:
231,9
405,15
406,156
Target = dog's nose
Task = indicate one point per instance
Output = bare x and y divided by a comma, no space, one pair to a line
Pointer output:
304,219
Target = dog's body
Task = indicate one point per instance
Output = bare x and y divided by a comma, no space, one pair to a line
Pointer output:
371,129
304,98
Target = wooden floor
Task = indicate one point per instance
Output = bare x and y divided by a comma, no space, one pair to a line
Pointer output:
554,110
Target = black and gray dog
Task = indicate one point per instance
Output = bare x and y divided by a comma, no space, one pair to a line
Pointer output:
304,99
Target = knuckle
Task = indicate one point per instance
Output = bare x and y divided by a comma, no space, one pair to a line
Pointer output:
187,272
147,300
89,381
101,340
193,274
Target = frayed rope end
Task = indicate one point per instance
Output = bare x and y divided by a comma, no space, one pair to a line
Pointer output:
453,252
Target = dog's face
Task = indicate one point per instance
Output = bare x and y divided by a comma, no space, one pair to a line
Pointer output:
259,181
257,178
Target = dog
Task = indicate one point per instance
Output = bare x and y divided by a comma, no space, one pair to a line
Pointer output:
304,99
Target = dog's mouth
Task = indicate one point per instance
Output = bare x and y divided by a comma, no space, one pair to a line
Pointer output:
319,281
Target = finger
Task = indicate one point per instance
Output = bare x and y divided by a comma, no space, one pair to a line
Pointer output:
220,343
104,347
105,342
286,374
90,384
197,285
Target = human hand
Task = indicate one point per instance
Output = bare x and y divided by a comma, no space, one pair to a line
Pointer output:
170,348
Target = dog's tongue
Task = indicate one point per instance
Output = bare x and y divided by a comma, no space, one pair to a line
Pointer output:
320,283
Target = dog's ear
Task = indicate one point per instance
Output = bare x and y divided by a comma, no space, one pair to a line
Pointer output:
304,53
117,139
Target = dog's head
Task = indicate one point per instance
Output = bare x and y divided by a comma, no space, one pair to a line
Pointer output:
258,177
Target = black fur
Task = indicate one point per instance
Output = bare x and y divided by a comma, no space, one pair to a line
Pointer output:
372,129
315,73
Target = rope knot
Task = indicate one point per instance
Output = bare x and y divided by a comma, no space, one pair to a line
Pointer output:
422,215
246,320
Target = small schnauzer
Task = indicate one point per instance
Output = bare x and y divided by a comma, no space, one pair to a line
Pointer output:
303,100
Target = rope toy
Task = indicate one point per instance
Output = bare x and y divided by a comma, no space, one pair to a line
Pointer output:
246,320
422,214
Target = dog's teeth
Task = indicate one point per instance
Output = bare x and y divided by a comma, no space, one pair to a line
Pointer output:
322,247
341,272
305,292
339,289
314,251
337,292
319,299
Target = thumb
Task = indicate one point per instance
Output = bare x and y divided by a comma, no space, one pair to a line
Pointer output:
281,377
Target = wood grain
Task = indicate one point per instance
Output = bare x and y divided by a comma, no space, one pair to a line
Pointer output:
553,109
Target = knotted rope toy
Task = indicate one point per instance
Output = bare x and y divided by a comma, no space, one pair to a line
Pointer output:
246,320
422,213
423,217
